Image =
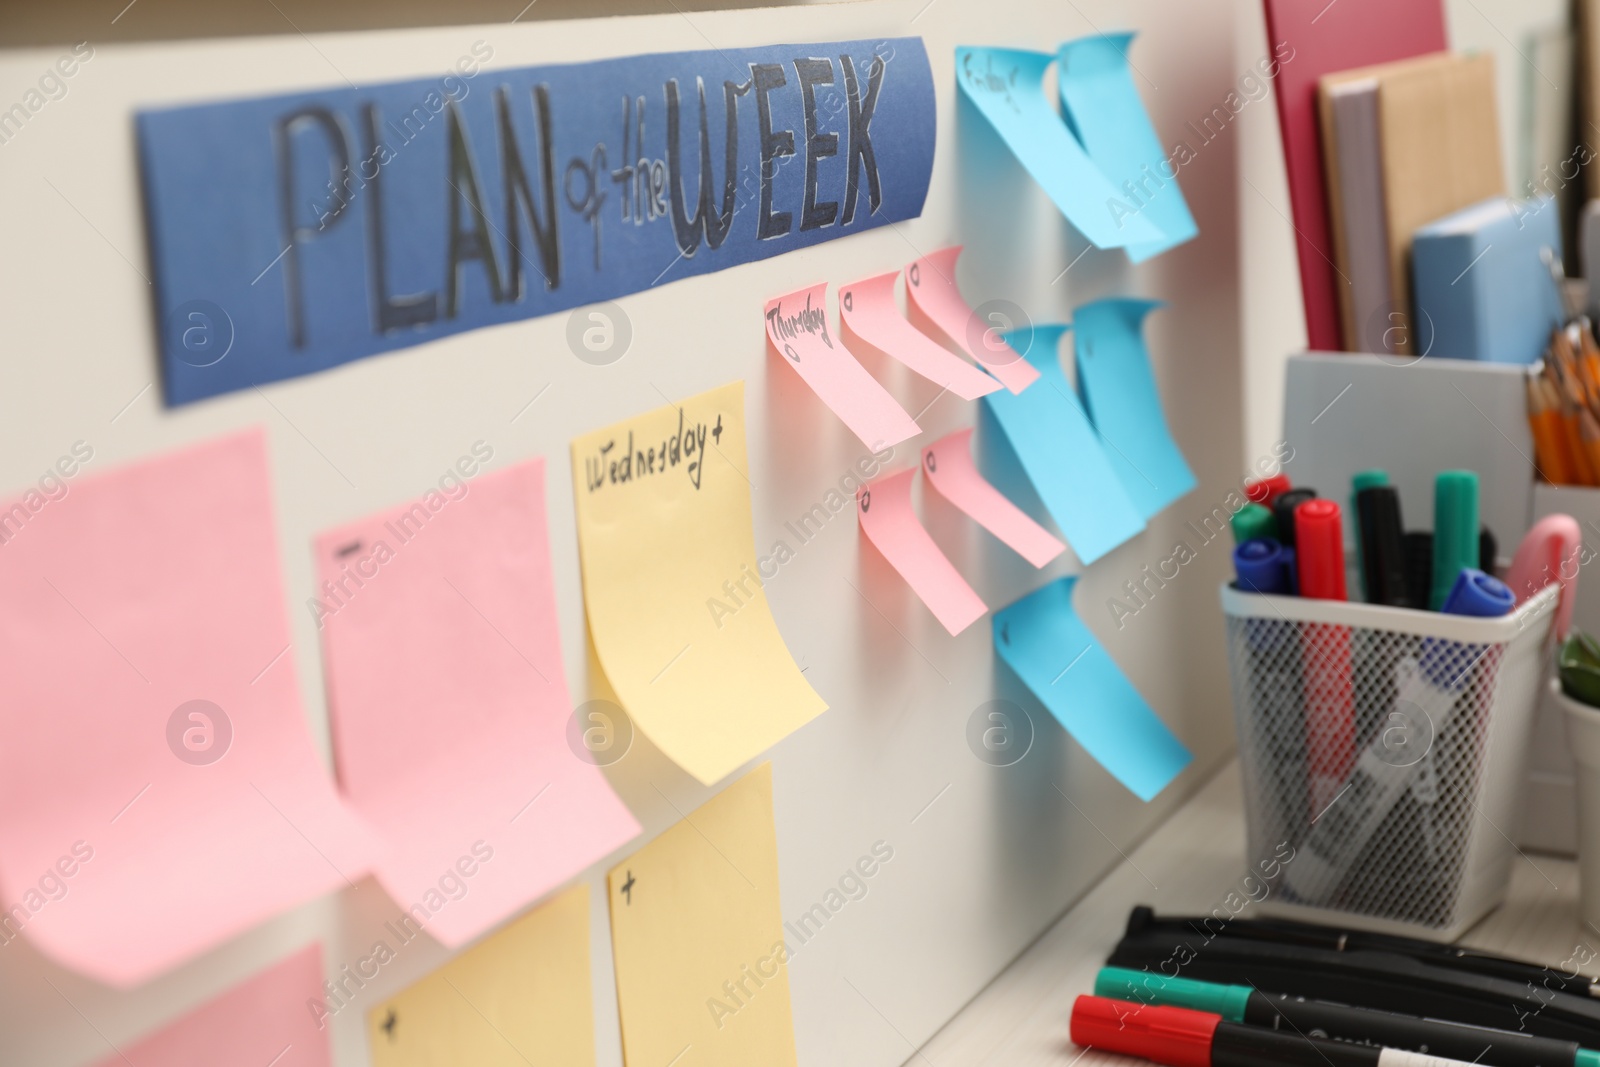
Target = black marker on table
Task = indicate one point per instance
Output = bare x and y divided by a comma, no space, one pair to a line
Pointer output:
1361,1026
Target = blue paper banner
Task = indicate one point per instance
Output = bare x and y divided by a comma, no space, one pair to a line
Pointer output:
294,233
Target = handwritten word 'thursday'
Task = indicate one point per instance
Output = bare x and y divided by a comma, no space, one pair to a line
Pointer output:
686,448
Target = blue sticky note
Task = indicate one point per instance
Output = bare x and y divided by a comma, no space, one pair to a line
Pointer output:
1007,86
1119,390
1061,454
290,234
1055,655
1103,109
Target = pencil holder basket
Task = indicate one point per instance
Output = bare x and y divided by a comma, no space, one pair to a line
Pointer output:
1381,750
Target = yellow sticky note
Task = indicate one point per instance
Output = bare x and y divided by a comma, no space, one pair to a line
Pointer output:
676,609
697,939
520,997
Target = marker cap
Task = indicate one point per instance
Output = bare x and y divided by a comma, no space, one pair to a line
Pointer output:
1267,490
1319,544
1260,566
1148,987
1479,594
1367,480
1284,511
1383,548
1176,1037
1586,1057
1419,566
1253,521
1455,531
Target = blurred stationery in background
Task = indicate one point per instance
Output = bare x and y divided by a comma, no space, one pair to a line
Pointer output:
1482,287
1406,143
1309,41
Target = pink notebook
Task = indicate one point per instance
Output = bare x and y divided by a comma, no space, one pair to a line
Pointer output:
1305,40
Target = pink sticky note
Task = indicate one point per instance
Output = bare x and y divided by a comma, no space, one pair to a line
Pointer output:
937,308
156,758
887,519
948,465
868,316
797,330
264,1020
452,725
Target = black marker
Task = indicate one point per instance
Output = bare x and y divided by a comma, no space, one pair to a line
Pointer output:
1360,1026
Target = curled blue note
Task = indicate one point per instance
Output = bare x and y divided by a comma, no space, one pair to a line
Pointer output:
1119,391
1052,651
1062,455
1007,86
1103,109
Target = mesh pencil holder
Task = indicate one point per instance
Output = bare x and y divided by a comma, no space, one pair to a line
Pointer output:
1381,750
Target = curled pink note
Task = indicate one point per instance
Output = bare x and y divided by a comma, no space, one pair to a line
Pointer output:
868,316
272,1018
948,467
797,330
156,757
938,310
884,506
432,608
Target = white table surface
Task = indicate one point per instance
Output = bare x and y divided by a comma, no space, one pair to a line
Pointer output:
1187,865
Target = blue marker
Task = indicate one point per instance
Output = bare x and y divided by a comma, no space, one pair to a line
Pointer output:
1261,566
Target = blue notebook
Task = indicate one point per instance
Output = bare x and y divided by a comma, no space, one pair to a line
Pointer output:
1480,284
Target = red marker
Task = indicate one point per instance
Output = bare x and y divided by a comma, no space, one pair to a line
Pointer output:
1330,698
1266,491
1179,1037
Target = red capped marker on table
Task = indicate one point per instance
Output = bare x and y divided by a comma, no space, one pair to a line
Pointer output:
1181,1037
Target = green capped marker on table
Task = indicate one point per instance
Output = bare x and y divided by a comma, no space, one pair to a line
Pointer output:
1390,1029
1369,479
1455,531
1253,521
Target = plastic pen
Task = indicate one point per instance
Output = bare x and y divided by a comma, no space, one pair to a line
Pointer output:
1329,691
1383,549
1260,566
1267,490
1401,755
1455,531
1363,480
1283,510
1142,920
1362,1026
1181,1037
1253,521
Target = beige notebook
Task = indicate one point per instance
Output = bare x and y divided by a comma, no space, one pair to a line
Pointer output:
1441,153
1439,150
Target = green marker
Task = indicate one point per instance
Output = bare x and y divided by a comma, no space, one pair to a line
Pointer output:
1253,521
1362,480
1455,531
1361,1026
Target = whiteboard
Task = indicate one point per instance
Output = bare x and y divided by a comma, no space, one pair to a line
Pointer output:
984,857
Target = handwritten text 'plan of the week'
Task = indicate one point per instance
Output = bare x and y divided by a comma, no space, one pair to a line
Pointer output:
294,233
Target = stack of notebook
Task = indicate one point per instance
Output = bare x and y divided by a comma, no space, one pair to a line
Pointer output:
1404,144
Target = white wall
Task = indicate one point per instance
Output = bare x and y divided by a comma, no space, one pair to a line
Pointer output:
981,871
